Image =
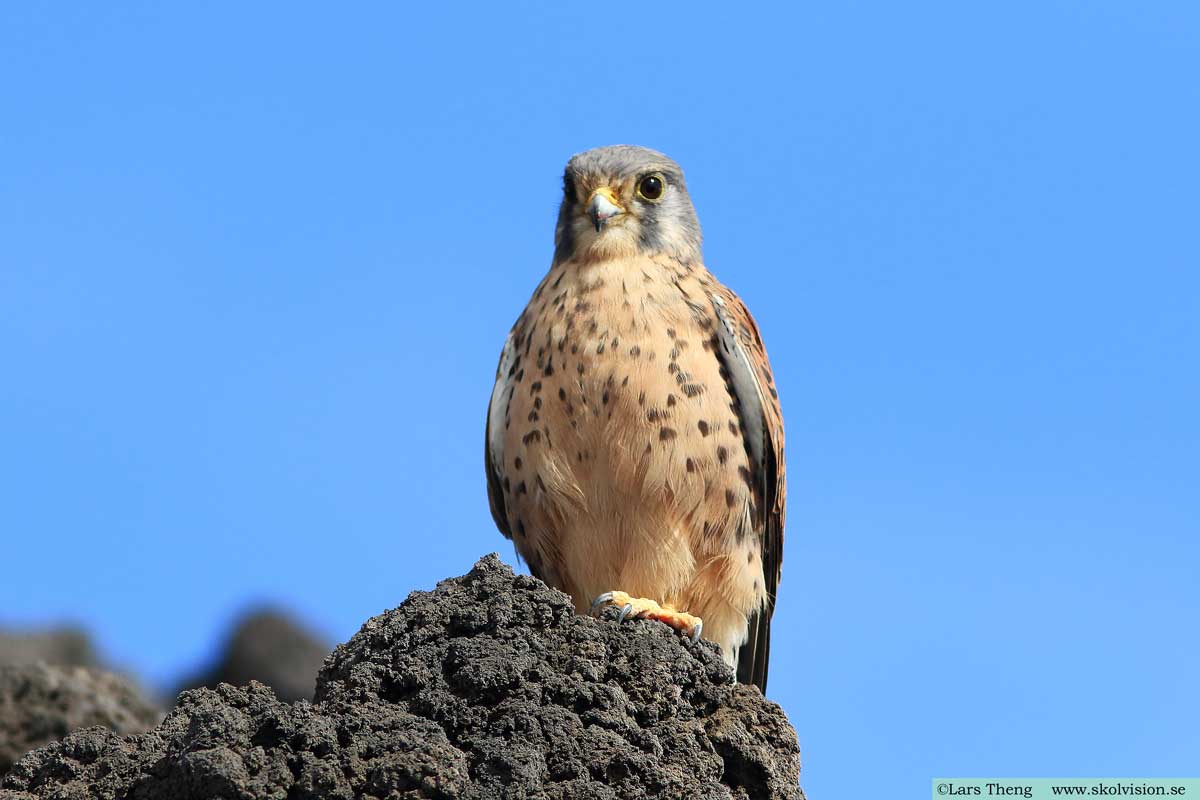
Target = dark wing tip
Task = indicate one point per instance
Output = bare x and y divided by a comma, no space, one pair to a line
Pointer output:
754,656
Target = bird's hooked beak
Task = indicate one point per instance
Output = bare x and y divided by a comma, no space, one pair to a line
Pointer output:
603,206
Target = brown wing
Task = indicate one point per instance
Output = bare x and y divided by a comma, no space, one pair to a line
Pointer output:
744,356
493,438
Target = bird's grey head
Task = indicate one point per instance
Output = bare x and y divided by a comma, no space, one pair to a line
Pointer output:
622,201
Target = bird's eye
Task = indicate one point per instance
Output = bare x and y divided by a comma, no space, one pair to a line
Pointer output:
569,188
651,187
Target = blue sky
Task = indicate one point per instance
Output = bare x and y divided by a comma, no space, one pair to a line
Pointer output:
257,262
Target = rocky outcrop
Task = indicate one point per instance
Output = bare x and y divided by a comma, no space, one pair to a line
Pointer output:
66,646
269,646
488,686
41,703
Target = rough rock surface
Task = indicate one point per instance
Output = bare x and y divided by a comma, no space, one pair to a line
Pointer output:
271,647
41,703
488,686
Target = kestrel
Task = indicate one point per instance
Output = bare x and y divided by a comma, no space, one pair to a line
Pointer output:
634,444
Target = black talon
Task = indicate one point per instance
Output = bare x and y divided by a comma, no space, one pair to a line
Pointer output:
599,601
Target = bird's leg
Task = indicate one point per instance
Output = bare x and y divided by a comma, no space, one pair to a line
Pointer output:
644,608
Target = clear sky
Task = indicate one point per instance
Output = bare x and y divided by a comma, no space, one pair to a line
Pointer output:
257,262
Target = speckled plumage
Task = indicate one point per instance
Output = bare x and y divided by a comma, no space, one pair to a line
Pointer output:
634,439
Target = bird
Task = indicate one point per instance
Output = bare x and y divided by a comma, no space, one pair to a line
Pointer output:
634,443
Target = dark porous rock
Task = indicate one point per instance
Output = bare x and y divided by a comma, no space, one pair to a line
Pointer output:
488,686
41,703
271,647
243,742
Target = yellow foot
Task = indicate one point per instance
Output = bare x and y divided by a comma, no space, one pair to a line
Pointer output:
644,608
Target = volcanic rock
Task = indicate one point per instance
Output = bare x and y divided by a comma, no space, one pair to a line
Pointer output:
40,703
271,647
488,686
